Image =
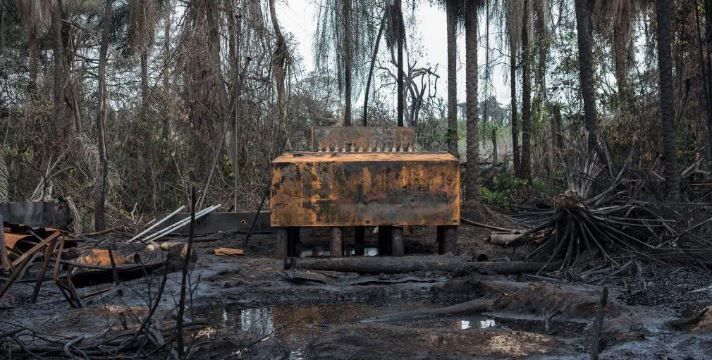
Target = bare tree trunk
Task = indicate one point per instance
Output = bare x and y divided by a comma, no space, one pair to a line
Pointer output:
34,59
235,28
515,119
451,8
2,29
58,49
400,38
168,8
667,106
101,120
473,152
558,142
279,63
144,78
4,176
621,31
348,59
708,65
526,172
583,27
370,70
485,115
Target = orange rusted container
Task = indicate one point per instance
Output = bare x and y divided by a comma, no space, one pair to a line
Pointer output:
342,189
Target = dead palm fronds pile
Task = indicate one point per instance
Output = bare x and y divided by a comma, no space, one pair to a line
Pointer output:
612,224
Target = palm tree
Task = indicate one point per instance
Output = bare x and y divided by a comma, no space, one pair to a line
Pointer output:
142,23
584,31
348,58
473,158
452,8
59,71
667,109
525,163
35,17
101,119
510,18
345,29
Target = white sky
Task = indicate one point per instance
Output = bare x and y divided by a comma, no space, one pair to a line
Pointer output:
299,18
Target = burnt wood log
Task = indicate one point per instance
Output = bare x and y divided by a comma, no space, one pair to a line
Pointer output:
406,264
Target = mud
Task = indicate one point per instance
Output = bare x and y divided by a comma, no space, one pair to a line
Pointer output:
249,307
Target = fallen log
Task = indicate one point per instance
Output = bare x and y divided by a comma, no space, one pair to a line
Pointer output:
389,265
487,226
467,308
503,239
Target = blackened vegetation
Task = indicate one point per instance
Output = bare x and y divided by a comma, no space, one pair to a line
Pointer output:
615,224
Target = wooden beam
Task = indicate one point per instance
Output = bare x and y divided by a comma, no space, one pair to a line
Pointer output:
337,242
35,248
4,259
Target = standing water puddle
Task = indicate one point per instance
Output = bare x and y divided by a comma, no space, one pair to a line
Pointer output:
296,326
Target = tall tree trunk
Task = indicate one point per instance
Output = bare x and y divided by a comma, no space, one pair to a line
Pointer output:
583,28
4,178
514,113
557,140
348,59
473,153
144,78
708,64
235,39
667,107
2,29
34,59
621,42
279,63
485,111
101,120
168,9
400,38
370,70
452,10
526,97
58,54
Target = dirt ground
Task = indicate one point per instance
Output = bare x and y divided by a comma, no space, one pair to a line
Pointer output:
250,307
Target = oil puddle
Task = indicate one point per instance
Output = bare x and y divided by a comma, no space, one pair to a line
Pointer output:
296,326
318,251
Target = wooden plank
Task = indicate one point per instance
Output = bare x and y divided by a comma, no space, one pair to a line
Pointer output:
344,138
4,259
364,189
49,249
18,269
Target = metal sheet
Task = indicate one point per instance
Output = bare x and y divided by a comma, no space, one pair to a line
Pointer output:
225,222
34,214
365,189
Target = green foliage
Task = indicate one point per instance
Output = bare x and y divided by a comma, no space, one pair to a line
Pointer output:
504,190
